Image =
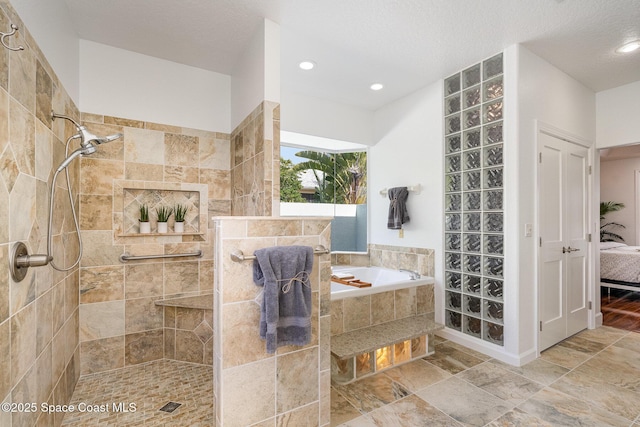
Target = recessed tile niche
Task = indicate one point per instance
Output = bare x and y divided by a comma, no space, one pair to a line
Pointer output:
134,194
474,231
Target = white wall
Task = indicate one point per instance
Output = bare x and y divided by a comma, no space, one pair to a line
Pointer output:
50,25
256,76
618,116
409,152
539,92
617,183
320,117
122,83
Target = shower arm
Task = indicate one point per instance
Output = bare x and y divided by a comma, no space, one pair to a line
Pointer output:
55,115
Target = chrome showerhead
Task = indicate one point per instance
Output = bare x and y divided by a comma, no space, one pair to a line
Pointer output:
86,137
82,151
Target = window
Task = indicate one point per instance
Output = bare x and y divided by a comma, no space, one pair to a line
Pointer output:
319,181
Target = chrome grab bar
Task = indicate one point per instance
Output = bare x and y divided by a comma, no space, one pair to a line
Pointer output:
239,256
126,257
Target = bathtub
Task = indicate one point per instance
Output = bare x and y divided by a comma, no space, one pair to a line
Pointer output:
381,279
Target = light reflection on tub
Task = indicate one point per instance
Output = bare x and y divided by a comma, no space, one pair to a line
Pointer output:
381,279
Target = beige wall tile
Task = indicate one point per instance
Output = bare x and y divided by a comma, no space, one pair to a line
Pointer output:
241,343
143,347
382,307
406,303
43,153
356,313
99,250
4,209
219,182
142,314
249,393
98,175
143,171
96,212
303,416
181,174
291,392
215,153
23,342
99,284
143,280
22,75
337,317
238,276
92,320
143,146
102,354
22,210
5,288
188,347
44,321
188,318
5,362
181,150
180,277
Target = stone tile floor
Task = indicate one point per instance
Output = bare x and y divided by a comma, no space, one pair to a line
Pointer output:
149,386
590,379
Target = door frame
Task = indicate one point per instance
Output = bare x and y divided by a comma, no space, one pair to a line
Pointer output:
555,132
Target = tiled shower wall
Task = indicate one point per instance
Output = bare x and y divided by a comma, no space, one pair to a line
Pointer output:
251,386
39,354
255,163
120,324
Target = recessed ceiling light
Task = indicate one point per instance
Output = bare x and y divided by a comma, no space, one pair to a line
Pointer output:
376,86
629,47
307,65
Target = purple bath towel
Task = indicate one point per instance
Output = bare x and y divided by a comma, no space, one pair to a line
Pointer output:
285,312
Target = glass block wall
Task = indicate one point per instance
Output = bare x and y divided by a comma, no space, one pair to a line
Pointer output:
473,167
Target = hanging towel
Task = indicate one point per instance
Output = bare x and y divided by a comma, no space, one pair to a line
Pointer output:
398,214
285,311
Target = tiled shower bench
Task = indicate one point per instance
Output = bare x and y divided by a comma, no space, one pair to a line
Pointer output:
362,352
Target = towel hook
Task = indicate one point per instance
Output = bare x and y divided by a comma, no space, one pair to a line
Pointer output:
14,28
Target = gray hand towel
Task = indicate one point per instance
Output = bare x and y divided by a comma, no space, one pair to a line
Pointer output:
285,312
398,214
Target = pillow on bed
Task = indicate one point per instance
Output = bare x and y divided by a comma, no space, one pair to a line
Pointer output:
610,245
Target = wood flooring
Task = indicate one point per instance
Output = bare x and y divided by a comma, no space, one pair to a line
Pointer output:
620,309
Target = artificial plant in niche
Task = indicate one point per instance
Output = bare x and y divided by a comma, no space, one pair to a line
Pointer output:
179,212
145,225
606,235
164,213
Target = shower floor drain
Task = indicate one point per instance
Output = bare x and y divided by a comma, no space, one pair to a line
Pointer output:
170,407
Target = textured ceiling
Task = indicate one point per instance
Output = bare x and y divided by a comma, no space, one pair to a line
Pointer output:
405,44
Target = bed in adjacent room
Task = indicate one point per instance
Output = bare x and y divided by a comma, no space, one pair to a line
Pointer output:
620,266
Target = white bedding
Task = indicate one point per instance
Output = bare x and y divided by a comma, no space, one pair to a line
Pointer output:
621,263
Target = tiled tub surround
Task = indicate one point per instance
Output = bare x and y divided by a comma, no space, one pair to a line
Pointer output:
251,386
39,354
394,257
397,323
188,328
120,324
255,163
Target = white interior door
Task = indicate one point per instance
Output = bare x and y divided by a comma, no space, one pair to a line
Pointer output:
563,225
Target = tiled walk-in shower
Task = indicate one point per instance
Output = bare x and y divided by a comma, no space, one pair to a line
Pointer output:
140,391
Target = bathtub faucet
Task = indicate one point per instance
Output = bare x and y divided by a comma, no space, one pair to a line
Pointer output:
414,274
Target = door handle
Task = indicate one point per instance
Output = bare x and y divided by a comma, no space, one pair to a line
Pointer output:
569,249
